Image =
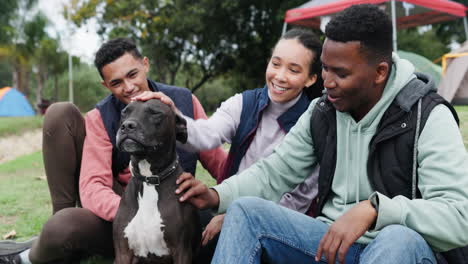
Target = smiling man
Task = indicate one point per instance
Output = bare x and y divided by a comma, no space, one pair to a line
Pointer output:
393,167
84,166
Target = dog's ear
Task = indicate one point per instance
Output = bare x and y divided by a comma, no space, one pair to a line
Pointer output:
181,128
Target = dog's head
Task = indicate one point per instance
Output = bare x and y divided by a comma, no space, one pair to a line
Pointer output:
150,126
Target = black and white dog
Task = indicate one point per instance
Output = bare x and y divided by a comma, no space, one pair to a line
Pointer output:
151,225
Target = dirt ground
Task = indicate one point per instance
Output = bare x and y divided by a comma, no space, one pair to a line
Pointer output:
14,146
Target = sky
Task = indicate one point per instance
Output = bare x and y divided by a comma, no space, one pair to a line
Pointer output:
82,42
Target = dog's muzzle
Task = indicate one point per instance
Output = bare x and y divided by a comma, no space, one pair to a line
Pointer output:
131,146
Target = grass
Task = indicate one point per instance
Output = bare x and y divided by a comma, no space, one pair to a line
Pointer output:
19,125
25,201
463,115
24,196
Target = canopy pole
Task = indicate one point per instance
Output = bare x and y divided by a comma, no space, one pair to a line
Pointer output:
70,65
465,24
285,26
394,26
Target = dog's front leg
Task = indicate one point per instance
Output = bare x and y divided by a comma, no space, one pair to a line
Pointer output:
184,254
183,257
123,255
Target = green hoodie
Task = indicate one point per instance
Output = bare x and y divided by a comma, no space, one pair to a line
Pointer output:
441,217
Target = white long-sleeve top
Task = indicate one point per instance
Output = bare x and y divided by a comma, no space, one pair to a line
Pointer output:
221,127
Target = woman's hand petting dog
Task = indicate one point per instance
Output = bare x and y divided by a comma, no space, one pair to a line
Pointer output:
195,192
212,229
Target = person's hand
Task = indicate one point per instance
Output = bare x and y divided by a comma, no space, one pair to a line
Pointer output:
195,192
147,95
345,231
212,229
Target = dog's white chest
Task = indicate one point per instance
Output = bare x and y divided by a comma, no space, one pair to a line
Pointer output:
145,231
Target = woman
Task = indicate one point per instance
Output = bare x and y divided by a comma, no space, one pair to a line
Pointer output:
255,121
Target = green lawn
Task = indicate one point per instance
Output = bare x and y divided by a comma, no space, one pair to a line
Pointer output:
25,202
19,125
24,197
463,115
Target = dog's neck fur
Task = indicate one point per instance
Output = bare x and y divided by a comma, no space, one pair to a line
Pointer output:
157,165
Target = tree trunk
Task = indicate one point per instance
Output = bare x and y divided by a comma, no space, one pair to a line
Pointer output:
24,81
202,81
56,89
41,77
173,72
15,78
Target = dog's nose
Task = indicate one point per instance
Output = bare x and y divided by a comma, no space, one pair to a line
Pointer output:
128,125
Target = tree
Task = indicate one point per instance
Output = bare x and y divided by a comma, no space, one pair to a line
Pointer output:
12,46
41,50
451,30
8,12
203,39
426,44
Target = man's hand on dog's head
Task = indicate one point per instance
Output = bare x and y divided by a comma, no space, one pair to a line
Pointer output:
195,192
147,95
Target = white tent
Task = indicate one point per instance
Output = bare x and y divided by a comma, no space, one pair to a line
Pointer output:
454,84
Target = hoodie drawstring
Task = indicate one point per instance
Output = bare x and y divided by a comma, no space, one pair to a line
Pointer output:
347,163
348,128
358,161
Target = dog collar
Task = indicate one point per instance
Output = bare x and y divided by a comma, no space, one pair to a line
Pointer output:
158,178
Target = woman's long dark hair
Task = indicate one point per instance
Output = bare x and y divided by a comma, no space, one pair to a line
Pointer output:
311,42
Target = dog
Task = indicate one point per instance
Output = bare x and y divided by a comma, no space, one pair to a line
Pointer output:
151,225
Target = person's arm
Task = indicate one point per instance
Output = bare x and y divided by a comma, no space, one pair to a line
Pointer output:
212,160
441,216
290,163
221,127
205,134
96,173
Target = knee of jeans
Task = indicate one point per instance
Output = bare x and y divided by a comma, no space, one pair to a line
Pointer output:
245,204
57,113
61,228
403,236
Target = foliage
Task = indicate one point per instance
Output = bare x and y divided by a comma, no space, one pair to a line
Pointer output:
86,86
426,44
213,93
451,30
6,30
32,54
5,74
204,39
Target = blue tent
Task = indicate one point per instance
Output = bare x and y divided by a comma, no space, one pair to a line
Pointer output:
14,103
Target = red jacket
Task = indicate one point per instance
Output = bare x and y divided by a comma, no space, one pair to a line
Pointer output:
96,173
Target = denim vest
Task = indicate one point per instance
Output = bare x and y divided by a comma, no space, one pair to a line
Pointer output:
110,108
253,104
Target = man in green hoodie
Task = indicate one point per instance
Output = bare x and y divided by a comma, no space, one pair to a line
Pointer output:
393,184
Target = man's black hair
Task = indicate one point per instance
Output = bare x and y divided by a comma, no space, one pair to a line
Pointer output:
114,49
367,24
310,41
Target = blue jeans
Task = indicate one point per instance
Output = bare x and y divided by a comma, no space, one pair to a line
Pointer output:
256,231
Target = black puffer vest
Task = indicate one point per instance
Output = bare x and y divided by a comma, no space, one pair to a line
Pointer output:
110,108
390,161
